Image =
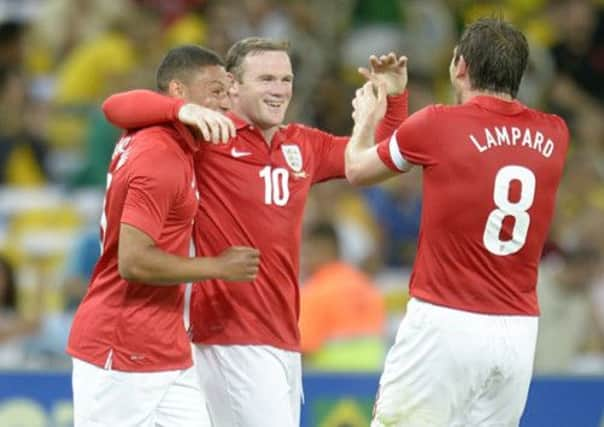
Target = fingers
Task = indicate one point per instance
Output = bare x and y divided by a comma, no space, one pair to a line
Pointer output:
214,126
364,72
385,62
205,130
249,254
244,249
250,262
226,128
231,128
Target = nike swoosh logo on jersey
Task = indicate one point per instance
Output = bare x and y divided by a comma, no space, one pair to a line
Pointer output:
236,153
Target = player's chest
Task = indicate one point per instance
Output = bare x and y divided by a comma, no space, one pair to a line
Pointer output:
257,174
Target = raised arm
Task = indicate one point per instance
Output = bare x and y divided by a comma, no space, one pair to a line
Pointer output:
391,71
363,164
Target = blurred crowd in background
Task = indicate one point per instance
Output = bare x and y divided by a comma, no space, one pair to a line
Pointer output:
59,59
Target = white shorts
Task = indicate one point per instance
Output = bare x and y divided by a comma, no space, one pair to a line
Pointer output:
108,398
452,368
250,385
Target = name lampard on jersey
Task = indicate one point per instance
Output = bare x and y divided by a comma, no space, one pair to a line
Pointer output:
503,136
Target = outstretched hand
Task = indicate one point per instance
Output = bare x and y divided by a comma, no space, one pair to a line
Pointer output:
389,70
214,126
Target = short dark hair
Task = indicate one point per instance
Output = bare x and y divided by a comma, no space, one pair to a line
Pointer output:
496,54
244,47
180,62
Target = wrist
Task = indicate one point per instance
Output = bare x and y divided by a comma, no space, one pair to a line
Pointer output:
179,109
209,268
398,96
365,127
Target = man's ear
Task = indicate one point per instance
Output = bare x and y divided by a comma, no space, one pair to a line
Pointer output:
233,85
176,89
461,68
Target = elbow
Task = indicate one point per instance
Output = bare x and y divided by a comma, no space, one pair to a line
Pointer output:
355,175
352,175
130,270
106,108
351,168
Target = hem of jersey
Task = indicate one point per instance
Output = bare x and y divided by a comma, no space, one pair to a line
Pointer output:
504,311
248,341
117,367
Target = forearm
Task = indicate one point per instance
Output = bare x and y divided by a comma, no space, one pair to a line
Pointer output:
140,108
361,141
156,267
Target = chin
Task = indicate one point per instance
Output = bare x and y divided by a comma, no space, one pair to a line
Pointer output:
275,120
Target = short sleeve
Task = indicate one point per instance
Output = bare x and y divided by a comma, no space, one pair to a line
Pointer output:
415,142
154,182
328,151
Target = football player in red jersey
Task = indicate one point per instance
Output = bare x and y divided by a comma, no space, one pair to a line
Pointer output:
132,358
253,190
491,167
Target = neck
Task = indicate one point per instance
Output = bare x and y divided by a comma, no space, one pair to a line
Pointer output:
466,96
266,133
269,133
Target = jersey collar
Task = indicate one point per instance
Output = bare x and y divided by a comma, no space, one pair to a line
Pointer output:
498,105
185,137
239,122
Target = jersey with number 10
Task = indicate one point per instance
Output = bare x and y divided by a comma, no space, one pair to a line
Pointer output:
491,170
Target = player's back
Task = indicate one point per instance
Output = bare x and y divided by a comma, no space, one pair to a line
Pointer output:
490,185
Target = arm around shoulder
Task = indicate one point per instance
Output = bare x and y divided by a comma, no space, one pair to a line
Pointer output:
140,108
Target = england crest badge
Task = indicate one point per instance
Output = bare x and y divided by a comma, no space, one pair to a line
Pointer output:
293,156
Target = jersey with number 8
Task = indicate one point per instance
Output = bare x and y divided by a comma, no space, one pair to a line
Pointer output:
491,173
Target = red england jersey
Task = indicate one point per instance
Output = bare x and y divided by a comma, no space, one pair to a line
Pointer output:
151,186
491,170
252,194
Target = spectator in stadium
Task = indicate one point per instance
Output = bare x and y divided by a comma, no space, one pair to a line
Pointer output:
342,313
491,170
253,192
12,324
23,152
132,358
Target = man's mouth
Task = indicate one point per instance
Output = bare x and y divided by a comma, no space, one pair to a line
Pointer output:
274,104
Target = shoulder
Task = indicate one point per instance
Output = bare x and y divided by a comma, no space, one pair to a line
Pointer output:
303,131
553,121
156,142
154,151
431,112
442,109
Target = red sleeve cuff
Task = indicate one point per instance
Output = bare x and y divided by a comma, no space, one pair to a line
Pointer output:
176,105
383,150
